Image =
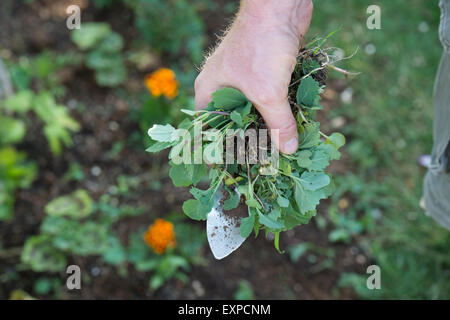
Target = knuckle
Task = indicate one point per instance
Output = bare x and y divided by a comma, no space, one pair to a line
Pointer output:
288,127
270,96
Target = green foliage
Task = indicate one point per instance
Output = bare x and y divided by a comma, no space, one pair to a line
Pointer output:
103,3
43,71
90,34
39,253
170,27
152,109
276,202
44,285
11,130
389,123
244,291
72,228
76,205
297,251
15,173
20,102
104,52
308,93
74,173
57,121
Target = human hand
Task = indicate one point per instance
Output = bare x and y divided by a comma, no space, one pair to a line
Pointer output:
257,56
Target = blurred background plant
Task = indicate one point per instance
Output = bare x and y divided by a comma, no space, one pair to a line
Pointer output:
76,186
103,47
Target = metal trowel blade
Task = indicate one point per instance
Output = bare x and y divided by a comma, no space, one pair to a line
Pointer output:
222,230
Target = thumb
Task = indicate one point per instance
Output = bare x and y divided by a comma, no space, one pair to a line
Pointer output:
279,116
203,91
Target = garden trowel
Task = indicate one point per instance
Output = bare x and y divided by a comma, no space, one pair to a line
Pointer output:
222,229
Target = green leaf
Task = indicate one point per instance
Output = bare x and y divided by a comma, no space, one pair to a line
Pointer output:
162,133
308,92
298,250
115,254
237,118
198,172
111,77
195,210
282,202
239,115
268,222
253,203
247,224
206,197
181,177
319,161
275,213
20,76
146,265
330,150
232,202
6,203
310,65
11,130
336,139
285,166
293,218
245,111
189,112
309,135
113,42
90,34
314,180
82,238
303,159
40,255
101,60
156,281
76,205
20,102
159,146
58,122
228,99
306,200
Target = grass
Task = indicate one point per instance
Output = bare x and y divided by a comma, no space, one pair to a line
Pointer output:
389,124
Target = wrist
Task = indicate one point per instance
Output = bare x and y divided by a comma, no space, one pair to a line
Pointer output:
275,13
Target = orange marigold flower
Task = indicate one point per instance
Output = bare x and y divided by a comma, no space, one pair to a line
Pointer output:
162,82
160,236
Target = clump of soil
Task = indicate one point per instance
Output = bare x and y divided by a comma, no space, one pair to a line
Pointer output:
237,213
306,56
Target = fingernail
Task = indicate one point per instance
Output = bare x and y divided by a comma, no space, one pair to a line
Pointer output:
291,145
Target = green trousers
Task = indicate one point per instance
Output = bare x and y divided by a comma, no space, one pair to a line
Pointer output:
437,180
